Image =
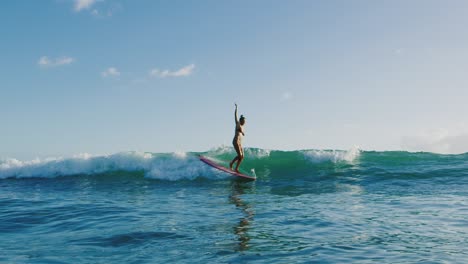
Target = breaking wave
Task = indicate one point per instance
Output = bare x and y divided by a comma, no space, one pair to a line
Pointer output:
166,166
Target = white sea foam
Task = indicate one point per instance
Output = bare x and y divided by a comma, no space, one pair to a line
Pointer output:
174,166
335,156
223,149
257,153
251,153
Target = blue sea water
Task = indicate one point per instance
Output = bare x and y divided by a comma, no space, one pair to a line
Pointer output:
307,206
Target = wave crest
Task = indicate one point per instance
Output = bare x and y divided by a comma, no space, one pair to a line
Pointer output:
167,166
335,156
173,166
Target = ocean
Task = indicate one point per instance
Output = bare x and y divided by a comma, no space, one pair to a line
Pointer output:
306,206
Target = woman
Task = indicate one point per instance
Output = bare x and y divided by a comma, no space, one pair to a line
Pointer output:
237,141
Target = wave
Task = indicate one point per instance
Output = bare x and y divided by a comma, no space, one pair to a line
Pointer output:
334,156
265,164
173,166
169,166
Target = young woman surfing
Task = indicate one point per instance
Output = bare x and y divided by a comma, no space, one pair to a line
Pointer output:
237,141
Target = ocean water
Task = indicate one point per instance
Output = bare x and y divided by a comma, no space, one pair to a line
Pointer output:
307,206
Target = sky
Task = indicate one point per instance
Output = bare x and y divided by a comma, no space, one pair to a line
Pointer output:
105,76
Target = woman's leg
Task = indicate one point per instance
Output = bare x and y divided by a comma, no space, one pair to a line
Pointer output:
238,151
240,155
233,161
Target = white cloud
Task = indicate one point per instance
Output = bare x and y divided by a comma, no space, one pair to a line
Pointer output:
106,11
286,96
44,61
83,4
110,72
438,141
64,61
182,72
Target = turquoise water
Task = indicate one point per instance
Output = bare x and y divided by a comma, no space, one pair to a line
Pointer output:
306,206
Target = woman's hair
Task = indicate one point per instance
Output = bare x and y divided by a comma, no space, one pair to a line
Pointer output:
242,117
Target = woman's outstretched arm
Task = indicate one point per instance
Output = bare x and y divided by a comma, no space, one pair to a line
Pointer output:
235,115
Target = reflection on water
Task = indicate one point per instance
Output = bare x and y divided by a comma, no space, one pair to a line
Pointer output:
241,230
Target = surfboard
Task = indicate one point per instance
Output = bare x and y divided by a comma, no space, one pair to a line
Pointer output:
224,169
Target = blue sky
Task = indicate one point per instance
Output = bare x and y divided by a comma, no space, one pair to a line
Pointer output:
106,76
